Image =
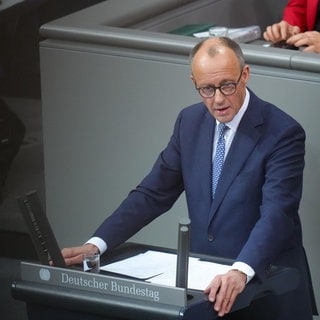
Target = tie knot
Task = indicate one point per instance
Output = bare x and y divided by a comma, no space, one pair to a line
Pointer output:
222,127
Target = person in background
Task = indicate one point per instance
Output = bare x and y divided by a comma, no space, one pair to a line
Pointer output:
300,26
248,213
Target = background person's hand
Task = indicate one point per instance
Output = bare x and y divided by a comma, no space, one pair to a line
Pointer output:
74,255
224,289
280,31
309,39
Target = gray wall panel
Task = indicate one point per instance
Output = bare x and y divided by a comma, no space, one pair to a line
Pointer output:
230,13
105,120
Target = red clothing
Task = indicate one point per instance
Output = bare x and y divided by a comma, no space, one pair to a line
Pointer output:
301,13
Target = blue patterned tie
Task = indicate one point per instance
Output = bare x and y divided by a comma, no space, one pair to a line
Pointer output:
219,157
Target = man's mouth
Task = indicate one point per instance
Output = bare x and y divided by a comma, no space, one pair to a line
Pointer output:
221,110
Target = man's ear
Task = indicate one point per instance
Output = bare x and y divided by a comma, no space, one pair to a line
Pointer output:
246,73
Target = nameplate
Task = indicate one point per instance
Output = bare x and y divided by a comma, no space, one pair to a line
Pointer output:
104,284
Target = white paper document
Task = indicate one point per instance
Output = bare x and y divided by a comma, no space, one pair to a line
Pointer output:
160,268
144,265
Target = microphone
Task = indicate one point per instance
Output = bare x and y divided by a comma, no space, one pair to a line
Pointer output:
183,253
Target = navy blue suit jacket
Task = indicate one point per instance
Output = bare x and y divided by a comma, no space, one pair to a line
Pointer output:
254,215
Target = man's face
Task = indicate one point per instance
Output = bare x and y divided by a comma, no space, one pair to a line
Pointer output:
215,71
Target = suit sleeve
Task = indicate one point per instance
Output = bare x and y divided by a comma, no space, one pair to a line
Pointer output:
278,227
295,13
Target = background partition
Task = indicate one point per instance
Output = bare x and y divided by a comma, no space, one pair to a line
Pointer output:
110,97
230,13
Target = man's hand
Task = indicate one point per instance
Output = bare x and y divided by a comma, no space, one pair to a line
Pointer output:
280,31
224,289
74,255
309,39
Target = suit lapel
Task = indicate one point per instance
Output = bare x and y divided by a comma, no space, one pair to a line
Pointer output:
205,160
245,140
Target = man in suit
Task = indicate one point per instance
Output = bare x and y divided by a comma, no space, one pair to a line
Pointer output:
252,214
300,26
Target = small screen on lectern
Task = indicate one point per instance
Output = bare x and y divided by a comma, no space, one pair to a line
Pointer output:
40,230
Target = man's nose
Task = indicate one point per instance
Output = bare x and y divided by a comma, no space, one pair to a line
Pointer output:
219,96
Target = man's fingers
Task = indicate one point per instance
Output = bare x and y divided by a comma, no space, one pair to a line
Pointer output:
226,308
230,285
74,260
223,299
213,289
74,255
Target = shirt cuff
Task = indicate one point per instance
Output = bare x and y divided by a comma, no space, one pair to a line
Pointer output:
98,242
245,268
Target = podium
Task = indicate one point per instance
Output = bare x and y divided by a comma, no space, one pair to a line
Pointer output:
61,293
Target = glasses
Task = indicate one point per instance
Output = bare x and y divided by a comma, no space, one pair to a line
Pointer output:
227,89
